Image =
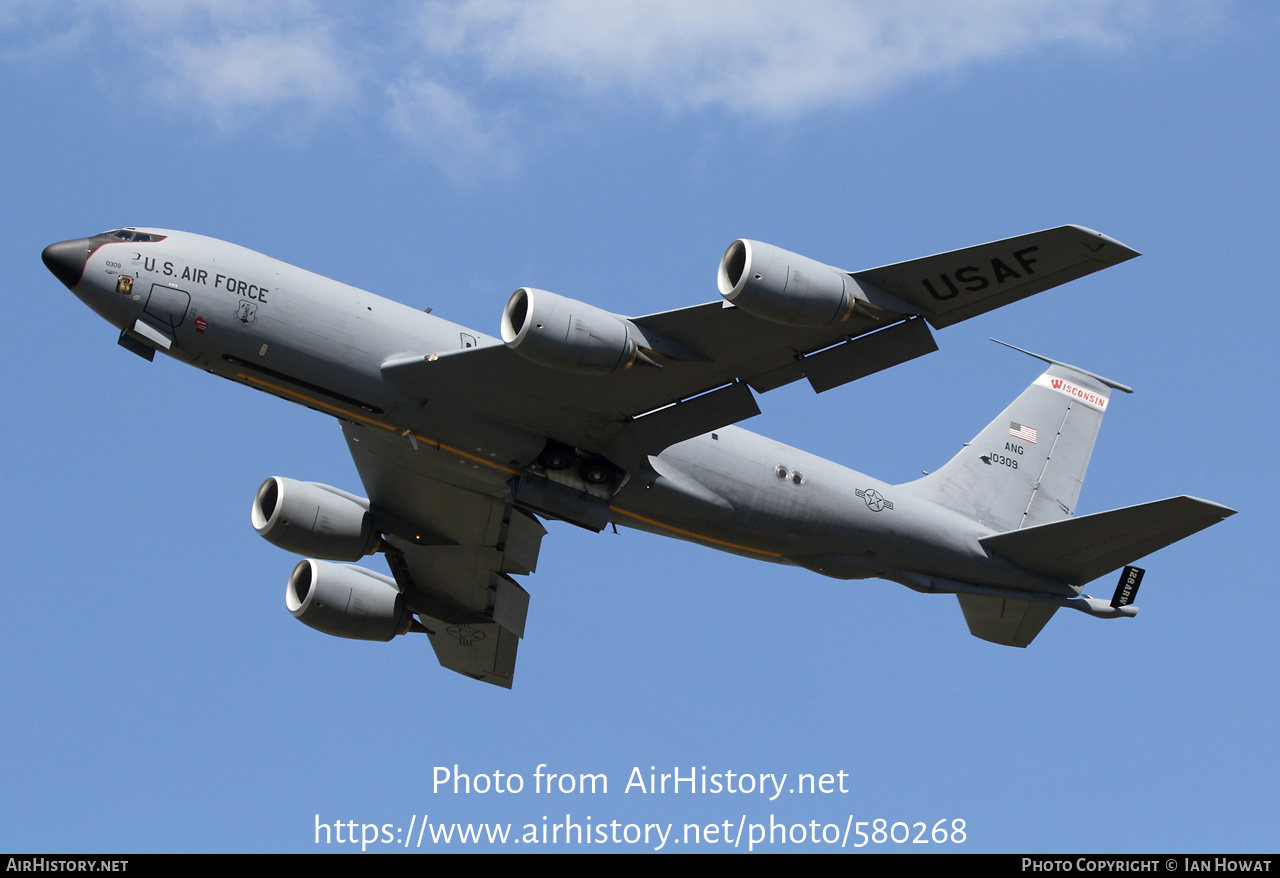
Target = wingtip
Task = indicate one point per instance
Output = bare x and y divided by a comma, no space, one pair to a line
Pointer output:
1221,511
1118,251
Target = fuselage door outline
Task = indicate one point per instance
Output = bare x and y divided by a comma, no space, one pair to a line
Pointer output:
168,304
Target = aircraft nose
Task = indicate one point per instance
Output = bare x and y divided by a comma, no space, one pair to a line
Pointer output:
66,259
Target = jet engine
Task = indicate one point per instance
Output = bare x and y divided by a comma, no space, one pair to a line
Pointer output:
308,518
565,334
785,287
346,601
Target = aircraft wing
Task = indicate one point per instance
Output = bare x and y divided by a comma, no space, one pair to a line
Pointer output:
960,284
723,348
452,549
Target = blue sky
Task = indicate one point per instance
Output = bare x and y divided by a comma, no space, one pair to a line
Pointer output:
158,697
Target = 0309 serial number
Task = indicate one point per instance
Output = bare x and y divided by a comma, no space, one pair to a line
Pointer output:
883,832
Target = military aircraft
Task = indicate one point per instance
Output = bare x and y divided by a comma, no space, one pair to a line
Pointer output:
464,441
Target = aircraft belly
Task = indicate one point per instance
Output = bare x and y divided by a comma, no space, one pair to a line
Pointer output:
837,521
741,500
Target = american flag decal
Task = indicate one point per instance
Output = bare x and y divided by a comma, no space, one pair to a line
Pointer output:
1022,431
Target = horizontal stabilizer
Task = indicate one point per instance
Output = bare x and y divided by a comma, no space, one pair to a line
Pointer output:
1078,550
1004,621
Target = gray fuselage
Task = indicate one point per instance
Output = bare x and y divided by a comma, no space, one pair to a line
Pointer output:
321,343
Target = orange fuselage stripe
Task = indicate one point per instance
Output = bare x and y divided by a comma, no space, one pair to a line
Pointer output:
348,414
689,533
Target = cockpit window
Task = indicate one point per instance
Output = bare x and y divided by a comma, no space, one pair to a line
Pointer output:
131,235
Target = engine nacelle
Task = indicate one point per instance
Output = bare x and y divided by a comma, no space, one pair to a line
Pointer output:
785,287
346,601
308,518
565,334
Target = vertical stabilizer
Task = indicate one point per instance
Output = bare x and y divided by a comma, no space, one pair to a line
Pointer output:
1027,466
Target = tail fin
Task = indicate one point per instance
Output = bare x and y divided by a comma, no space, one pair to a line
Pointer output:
1026,468
1021,477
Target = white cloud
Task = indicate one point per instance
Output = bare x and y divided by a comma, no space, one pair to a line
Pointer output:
461,141
33,33
236,58
234,73
228,60
765,57
234,61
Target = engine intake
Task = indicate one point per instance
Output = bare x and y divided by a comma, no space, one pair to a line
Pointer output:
308,518
785,287
562,333
346,601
